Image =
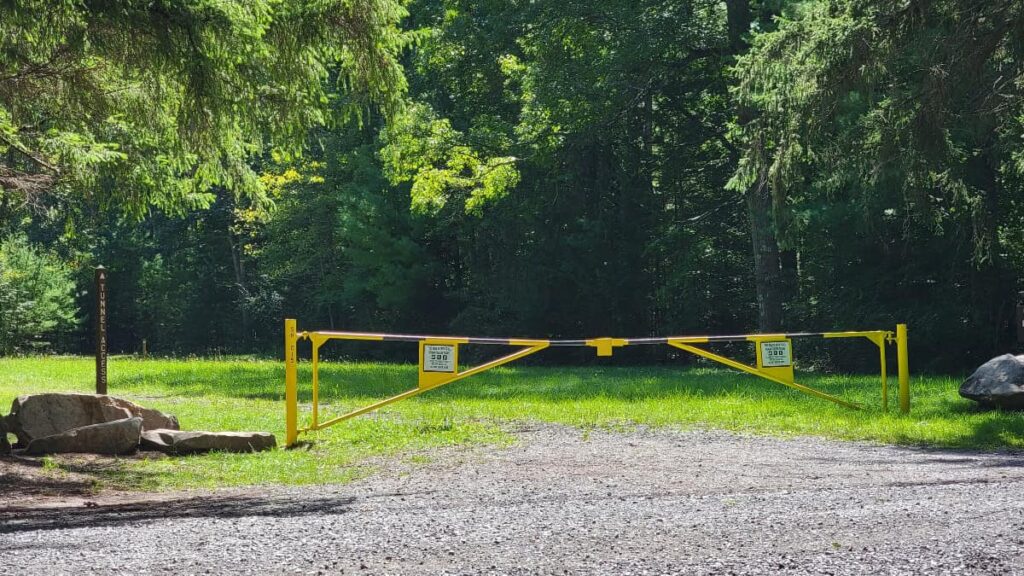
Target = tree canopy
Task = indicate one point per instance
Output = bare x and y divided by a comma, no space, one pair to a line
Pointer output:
141,103
890,133
535,168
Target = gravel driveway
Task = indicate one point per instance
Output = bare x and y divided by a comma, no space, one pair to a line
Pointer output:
565,501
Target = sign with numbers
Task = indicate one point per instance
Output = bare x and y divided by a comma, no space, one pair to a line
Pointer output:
438,358
776,354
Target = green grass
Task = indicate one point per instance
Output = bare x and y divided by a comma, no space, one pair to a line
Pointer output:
242,394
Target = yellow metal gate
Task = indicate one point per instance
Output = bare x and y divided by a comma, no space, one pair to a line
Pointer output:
439,362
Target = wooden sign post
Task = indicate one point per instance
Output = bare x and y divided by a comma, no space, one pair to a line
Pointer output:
1019,317
101,330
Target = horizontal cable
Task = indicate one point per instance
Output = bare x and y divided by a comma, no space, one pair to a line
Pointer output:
578,343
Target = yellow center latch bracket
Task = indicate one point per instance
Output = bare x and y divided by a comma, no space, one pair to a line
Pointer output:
605,346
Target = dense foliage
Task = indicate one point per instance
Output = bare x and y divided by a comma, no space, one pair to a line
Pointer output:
36,297
514,167
890,134
136,103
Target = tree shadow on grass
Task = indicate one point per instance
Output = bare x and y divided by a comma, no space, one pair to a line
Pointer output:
998,428
22,478
69,475
23,519
990,428
349,384
342,381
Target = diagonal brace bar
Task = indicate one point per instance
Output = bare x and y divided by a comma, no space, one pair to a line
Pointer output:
418,390
751,370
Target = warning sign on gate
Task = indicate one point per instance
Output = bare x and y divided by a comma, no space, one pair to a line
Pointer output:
438,358
776,354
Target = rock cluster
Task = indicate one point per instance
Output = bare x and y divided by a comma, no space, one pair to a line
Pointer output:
40,415
100,424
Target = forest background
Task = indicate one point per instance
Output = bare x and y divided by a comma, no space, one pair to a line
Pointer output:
524,168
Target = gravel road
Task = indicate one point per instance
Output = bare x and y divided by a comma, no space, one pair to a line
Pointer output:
562,501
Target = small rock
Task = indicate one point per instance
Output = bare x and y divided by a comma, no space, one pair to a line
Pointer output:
117,437
153,441
181,442
151,419
997,383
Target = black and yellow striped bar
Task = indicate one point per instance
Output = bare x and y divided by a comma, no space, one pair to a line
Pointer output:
381,337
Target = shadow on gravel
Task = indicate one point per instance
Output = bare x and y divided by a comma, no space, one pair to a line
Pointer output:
22,519
947,458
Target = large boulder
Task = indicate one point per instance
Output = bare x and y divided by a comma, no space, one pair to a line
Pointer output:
179,442
41,415
117,437
997,383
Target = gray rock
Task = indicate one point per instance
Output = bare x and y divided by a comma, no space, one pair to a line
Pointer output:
117,437
153,441
5,444
151,419
180,442
41,415
997,383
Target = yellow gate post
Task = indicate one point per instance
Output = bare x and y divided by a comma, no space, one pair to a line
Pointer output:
885,377
291,391
904,367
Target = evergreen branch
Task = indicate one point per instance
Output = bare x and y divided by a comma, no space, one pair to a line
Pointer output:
31,156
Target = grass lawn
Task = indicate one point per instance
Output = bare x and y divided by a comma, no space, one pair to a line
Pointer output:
243,394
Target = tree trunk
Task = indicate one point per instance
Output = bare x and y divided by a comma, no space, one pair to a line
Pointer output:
767,262
738,19
789,261
993,296
764,242
238,265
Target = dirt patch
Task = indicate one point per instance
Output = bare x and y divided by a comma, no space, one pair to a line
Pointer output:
60,479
